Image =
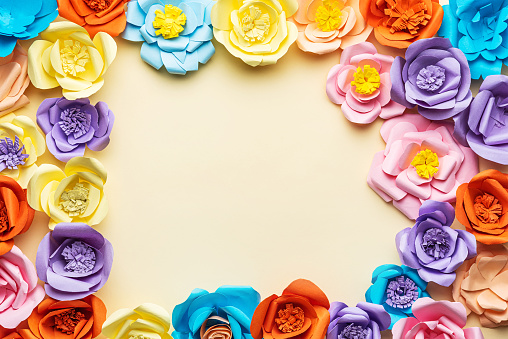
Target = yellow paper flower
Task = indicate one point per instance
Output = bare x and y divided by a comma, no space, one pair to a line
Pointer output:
255,31
73,195
67,57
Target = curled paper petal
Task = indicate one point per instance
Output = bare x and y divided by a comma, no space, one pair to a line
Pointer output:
13,80
366,320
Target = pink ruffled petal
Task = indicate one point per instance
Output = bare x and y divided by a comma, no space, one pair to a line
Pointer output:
420,191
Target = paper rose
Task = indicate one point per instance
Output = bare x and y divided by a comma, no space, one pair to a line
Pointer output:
70,125
435,77
361,84
225,313
324,26
67,57
421,161
432,247
399,23
365,321
180,45
145,321
73,195
9,334
300,312
436,319
256,32
19,290
13,80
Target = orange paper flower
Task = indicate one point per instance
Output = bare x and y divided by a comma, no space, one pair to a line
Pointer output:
9,334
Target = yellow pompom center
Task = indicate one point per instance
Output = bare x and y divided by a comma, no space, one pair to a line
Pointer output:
169,23
329,15
255,24
74,56
367,80
426,163
75,201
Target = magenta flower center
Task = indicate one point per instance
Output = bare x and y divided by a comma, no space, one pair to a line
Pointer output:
11,153
401,292
75,121
80,257
435,243
431,78
353,331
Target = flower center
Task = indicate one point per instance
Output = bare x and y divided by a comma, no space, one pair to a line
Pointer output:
435,243
290,319
80,257
74,57
75,201
405,18
66,321
401,292
255,24
170,22
487,208
75,121
367,80
430,78
4,220
11,153
426,163
353,331
329,16
97,5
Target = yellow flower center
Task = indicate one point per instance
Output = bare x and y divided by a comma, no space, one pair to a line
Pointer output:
426,163
170,22
367,80
329,16
75,201
74,56
255,24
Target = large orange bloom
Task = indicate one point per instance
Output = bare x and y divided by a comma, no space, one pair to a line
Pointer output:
9,334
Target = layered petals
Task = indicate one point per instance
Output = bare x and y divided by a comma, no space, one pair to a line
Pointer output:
13,80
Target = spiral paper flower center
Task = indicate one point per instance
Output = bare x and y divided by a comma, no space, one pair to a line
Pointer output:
487,208
74,56
97,5
290,319
75,201
169,23
255,24
401,292
430,78
329,16
435,243
406,19
426,163
67,321
75,121
367,80
80,257
4,220
353,331
11,153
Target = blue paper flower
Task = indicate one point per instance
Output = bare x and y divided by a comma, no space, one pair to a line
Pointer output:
396,288
175,33
23,20
479,29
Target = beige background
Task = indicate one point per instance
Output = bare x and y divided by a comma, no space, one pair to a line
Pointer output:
236,175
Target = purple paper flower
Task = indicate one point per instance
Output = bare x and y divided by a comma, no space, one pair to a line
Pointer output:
70,125
432,247
434,76
74,261
365,321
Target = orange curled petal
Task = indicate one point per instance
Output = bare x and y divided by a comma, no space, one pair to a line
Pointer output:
256,325
113,28
309,290
6,246
67,11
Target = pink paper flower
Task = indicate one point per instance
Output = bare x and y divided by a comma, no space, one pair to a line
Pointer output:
436,319
361,85
421,161
13,80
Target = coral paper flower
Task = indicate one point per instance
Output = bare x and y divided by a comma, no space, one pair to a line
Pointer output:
303,302
71,125
73,195
256,32
399,23
365,321
13,80
421,161
361,85
181,45
436,319
67,57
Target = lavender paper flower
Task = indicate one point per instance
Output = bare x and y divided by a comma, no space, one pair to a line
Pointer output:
434,76
71,125
365,321
74,261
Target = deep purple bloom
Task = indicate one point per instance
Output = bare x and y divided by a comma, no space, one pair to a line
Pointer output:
74,261
432,247
434,76
70,125
365,321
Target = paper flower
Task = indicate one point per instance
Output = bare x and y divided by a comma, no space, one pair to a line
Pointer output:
70,125
432,247
181,45
225,313
324,26
13,80
256,32
300,312
421,161
435,77
95,16
399,23
365,321
396,288
68,58
436,319
19,290
145,321
9,334
73,195
66,319
361,85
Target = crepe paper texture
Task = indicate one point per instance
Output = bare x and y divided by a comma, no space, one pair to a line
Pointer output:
145,321
325,26
436,319
95,16
179,46
303,300
396,288
256,32
73,195
226,313
67,57
432,247
71,125
52,319
18,288
361,85
365,321
399,23
435,77
421,161
13,80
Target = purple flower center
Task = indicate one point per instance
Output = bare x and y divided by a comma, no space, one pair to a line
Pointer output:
435,243
401,292
75,121
80,257
431,78
11,153
353,331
